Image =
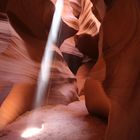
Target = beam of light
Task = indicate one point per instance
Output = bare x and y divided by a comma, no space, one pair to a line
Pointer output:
47,58
30,132
45,70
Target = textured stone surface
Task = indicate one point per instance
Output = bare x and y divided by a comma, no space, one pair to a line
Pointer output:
61,122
